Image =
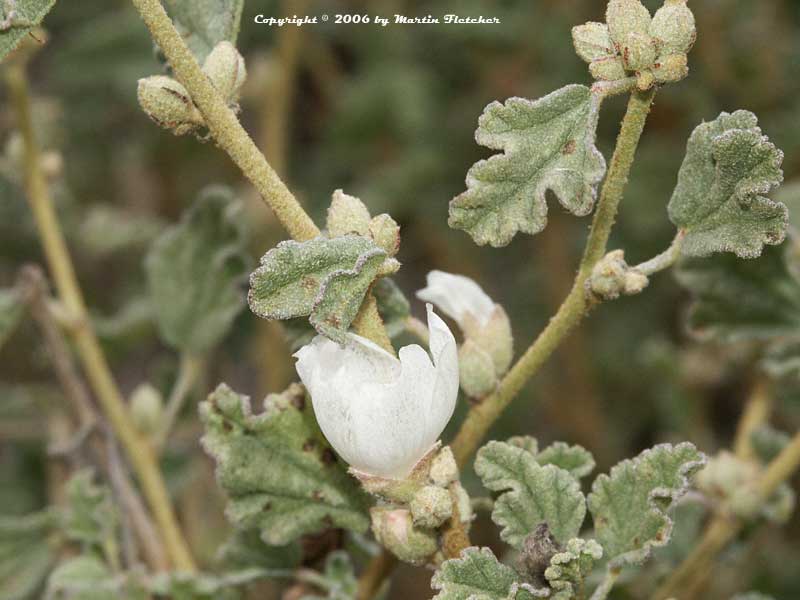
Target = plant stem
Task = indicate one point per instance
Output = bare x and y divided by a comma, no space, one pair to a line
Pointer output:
91,354
481,417
190,370
666,259
372,578
695,568
756,413
602,591
229,135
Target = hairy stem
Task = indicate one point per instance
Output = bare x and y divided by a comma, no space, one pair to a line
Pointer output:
94,362
190,370
666,259
692,573
756,413
602,591
229,135
481,417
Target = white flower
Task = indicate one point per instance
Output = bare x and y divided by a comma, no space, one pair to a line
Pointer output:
380,413
459,297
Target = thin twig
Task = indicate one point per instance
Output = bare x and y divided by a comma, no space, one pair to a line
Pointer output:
666,259
756,413
94,362
190,369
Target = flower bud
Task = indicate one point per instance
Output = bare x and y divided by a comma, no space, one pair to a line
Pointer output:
607,69
497,340
147,408
385,231
671,68
612,277
462,501
347,215
476,370
638,52
592,42
444,469
673,27
624,17
225,68
168,103
645,80
726,475
431,506
394,529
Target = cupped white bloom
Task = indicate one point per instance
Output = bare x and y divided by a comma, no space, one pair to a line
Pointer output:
380,413
459,297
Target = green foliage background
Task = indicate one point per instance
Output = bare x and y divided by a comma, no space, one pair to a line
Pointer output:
388,114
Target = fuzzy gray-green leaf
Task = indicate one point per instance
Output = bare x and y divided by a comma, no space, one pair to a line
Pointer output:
576,460
742,300
548,145
280,475
629,505
195,271
90,516
26,554
530,494
720,197
27,14
569,569
478,575
205,23
324,278
86,577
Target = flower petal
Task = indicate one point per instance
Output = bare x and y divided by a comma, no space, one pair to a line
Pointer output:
457,296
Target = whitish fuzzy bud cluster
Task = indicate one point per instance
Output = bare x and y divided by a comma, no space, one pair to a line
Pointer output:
612,277
410,518
632,43
168,103
488,347
347,215
147,408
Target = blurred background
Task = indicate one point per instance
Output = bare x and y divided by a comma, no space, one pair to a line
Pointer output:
388,114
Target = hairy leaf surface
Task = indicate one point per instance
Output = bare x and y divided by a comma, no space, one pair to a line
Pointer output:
324,278
629,505
547,144
280,475
478,575
530,493
26,554
27,15
720,197
205,23
195,271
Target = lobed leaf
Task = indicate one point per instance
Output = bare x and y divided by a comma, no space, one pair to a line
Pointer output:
280,475
478,575
576,460
86,577
90,517
324,278
742,300
530,494
629,505
548,144
27,15
719,199
195,270
205,23
338,580
26,554
569,569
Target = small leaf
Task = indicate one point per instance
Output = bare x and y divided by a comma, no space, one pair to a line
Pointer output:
338,580
478,575
719,199
279,472
576,460
531,494
204,586
245,549
88,578
548,145
12,309
26,554
195,270
569,569
205,23
90,517
629,505
324,278
27,15
738,300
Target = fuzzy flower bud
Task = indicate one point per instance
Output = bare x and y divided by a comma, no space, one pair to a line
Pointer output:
592,41
624,17
476,370
444,469
607,69
225,68
612,277
347,215
168,103
385,231
638,52
394,529
147,408
380,413
431,507
484,323
673,28
671,68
